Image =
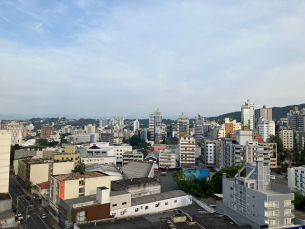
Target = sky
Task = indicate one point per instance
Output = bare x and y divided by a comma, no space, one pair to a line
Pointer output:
103,58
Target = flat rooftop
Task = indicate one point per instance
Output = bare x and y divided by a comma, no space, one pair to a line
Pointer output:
117,193
4,196
79,200
75,176
123,184
205,220
157,197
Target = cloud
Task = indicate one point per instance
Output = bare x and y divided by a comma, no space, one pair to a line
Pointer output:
130,58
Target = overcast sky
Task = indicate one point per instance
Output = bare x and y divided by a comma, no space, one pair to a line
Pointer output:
121,58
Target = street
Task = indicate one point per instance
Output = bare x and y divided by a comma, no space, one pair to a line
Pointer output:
31,214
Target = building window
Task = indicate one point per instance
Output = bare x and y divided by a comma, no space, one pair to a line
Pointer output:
81,182
175,201
288,221
287,202
136,210
166,203
124,203
146,207
81,216
114,205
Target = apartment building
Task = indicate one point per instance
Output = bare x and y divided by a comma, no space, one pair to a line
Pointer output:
266,128
75,157
265,113
167,159
247,115
155,123
287,138
136,125
16,130
46,131
187,150
296,178
40,170
183,125
134,155
296,119
300,139
5,149
74,185
255,200
211,153
272,153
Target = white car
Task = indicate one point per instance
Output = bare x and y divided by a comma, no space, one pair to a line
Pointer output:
43,216
19,217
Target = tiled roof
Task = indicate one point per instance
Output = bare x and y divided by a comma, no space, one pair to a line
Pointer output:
44,185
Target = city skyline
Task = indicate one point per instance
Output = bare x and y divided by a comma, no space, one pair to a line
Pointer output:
130,58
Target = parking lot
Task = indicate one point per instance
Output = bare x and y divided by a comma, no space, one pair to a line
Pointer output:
167,182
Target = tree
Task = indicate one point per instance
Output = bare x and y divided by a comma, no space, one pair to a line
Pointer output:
299,200
42,142
29,185
303,156
80,168
12,154
296,155
175,141
135,140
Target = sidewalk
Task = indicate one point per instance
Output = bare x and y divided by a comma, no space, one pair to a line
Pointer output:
50,219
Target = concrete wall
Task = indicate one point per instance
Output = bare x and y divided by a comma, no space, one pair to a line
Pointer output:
235,216
5,148
71,189
144,189
153,207
5,205
39,173
62,167
116,202
92,183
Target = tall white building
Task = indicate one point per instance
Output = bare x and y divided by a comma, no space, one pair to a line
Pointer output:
155,124
247,115
266,128
5,147
16,132
136,125
295,178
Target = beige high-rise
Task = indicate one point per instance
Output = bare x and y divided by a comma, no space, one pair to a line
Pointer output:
5,146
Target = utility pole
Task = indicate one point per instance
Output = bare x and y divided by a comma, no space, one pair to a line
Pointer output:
18,200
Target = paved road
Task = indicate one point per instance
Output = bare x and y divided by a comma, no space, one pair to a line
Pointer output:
34,221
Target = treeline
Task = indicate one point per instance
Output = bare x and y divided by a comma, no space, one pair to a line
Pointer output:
204,188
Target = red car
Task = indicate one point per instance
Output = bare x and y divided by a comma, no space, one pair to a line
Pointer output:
17,186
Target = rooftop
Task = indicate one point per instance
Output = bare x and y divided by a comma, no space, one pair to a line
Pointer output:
137,169
117,193
122,184
157,197
75,176
82,199
44,185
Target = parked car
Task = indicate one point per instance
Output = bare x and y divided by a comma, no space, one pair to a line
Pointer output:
28,198
17,186
43,216
19,217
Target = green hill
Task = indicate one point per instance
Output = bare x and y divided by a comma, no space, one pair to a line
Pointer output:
277,113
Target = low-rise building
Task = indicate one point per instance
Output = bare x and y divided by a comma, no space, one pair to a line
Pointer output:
74,185
134,155
75,157
89,160
167,159
135,169
137,186
153,203
35,171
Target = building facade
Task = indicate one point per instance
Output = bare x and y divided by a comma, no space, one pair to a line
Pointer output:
155,123
46,132
266,128
247,115
265,113
287,138
167,159
16,132
187,150
5,149
254,199
211,153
